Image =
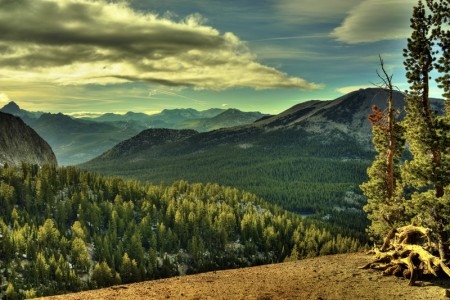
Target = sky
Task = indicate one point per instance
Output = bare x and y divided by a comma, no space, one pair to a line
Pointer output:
97,56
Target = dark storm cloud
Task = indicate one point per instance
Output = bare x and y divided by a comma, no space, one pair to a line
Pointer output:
81,41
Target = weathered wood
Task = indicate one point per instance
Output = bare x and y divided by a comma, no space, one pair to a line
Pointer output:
406,234
408,251
429,259
387,239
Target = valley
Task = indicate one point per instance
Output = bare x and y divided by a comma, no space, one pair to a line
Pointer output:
309,159
224,149
64,230
167,202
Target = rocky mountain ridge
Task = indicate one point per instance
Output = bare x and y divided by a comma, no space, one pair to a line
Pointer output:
19,142
76,140
342,118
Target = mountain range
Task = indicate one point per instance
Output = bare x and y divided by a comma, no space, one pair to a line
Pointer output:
344,118
309,159
76,140
18,142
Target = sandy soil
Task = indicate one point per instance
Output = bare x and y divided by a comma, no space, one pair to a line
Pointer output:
328,277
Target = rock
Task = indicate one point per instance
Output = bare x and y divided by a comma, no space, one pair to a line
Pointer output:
18,142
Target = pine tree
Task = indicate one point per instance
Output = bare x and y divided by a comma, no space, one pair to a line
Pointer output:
80,255
10,293
128,269
384,191
48,234
102,275
441,32
428,171
425,177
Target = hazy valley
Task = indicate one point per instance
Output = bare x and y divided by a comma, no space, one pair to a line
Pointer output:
76,140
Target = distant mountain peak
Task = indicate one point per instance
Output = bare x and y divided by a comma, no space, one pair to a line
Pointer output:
11,107
57,116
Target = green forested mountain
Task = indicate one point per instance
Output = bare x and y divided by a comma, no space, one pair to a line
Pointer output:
295,170
309,159
65,230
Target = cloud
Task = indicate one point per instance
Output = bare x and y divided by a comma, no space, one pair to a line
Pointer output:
4,98
72,42
171,92
349,89
84,114
301,11
376,20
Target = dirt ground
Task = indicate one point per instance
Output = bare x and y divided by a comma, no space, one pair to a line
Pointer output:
327,277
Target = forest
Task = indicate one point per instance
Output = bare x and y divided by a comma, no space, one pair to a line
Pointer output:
310,175
65,230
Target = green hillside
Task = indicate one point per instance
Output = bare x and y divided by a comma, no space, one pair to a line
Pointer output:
292,168
65,230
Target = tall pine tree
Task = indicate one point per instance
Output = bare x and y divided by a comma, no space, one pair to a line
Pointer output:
384,192
428,172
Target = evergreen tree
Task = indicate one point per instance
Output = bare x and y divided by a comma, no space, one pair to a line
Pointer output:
383,190
102,275
441,32
428,171
10,293
128,269
80,255
29,294
41,269
48,234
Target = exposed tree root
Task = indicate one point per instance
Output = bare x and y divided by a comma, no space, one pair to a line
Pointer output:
408,251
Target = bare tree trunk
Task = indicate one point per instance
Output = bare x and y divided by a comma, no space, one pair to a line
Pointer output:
438,187
442,245
391,132
392,146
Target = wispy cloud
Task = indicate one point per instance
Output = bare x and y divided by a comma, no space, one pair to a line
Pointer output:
375,20
348,89
297,37
70,42
319,11
271,51
84,114
171,92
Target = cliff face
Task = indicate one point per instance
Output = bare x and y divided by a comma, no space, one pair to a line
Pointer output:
18,142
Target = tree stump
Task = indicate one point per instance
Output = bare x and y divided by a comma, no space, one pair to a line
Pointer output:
408,251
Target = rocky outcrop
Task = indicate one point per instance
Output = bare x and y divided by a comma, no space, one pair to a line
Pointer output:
18,142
